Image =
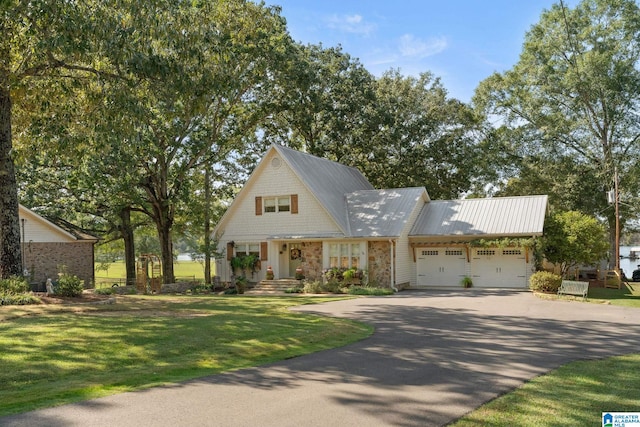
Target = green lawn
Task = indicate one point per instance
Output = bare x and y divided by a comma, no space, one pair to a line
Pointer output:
576,394
182,269
56,354
628,295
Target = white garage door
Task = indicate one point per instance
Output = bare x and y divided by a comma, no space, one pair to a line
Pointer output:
440,266
500,268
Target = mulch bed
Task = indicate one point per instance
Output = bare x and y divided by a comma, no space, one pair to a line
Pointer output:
87,297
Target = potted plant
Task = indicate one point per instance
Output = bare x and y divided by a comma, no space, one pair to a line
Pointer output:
237,264
466,282
241,284
299,273
351,276
269,275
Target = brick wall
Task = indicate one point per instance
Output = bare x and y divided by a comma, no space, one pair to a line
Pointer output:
43,260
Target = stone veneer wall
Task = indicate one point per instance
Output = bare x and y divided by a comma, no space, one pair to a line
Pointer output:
43,260
379,263
312,260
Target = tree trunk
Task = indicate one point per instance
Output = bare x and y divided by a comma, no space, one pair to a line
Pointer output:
164,222
10,254
129,246
166,247
207,226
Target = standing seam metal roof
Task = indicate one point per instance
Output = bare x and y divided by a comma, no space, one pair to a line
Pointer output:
382,213
328,181
522,216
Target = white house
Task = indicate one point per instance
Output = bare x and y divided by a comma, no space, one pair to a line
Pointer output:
300,211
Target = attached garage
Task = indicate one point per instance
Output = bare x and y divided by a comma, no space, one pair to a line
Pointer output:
445,232
440,266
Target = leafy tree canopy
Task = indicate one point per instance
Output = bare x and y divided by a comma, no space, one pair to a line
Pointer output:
569,108
572,238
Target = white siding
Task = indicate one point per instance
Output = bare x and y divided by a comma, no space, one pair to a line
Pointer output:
242,225
37,229
245,225
406,271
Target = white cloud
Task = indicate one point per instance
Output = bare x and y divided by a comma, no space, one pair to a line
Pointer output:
415,47
354,24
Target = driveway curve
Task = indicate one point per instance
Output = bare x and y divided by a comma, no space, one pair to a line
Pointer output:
434,356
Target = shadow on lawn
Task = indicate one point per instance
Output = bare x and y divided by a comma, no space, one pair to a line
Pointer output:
432,359
433,364
627,291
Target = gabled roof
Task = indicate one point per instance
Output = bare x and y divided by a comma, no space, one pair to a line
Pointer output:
360,211
77,232
58,226
329,182
382,213
506,216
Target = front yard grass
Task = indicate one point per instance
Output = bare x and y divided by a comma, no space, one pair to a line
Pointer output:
56,354
628,295
575,394
115,272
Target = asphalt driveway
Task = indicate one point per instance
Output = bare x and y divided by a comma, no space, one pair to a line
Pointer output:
433,357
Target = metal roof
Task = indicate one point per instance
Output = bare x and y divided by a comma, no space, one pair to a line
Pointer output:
328,181
382,213
506,216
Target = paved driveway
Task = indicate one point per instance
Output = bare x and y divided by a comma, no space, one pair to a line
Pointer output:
434,357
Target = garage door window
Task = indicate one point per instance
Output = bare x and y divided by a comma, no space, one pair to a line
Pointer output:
486,252
456,252
429,253
511,252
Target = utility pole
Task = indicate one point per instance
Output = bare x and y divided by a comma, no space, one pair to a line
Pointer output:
617,206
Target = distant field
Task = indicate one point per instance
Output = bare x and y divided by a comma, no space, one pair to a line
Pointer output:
183,269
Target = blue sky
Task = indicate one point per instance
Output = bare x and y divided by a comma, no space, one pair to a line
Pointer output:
461,41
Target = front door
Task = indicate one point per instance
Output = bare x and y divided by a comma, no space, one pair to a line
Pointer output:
295,258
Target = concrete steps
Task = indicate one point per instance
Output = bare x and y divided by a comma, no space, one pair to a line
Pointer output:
278,286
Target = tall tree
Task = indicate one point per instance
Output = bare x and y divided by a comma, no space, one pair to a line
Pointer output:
397,130
575,92
422,137
41,40
203,72
323,105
